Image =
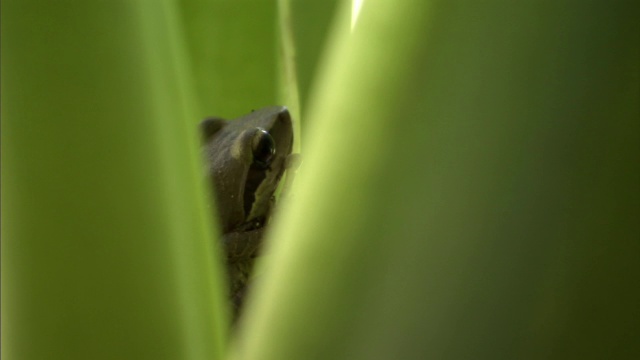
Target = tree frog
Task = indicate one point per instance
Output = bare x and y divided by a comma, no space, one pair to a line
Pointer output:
245,159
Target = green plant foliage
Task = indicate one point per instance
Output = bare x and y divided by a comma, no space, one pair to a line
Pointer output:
470,190
311,23
106,241
233,49
469,187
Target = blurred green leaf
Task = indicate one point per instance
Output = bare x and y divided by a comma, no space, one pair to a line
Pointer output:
312,22
305,28
106,241
470,190
233,50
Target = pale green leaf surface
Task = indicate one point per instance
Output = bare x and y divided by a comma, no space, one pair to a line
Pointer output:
469,190
106,241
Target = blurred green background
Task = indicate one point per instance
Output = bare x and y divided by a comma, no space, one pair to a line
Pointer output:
470,185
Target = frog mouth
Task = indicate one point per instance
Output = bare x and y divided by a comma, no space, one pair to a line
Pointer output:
255,177
259,190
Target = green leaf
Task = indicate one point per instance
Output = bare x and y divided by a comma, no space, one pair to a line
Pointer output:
469,190
233,49
106,241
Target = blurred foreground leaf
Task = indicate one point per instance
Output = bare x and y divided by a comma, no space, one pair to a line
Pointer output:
470,190
106,244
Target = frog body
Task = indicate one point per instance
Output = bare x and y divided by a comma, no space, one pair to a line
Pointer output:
245,159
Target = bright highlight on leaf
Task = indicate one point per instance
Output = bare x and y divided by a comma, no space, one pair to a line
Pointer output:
355,12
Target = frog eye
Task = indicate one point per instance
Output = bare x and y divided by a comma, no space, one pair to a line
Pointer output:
263,147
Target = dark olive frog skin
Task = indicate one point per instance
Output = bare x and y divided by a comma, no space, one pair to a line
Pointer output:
245,159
